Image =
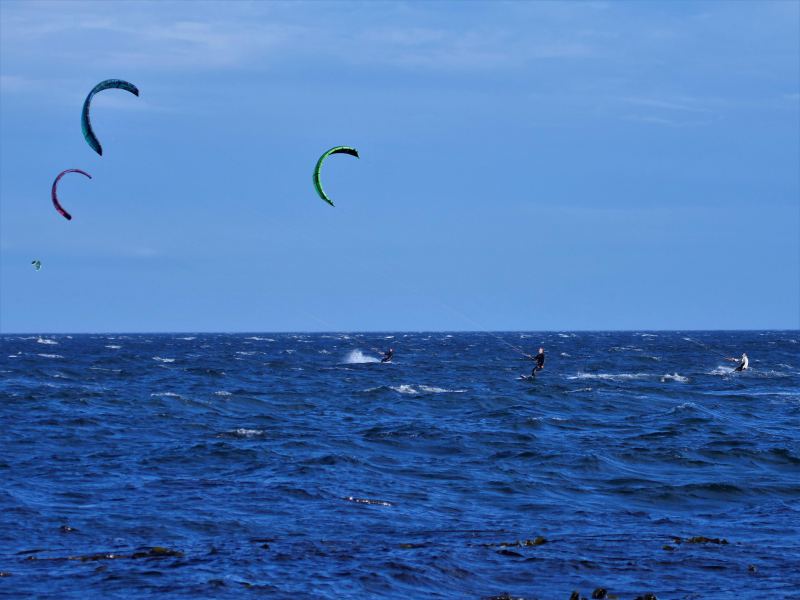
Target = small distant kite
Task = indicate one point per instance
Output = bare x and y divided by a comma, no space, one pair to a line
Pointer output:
37,264
86,124
54,192
318,168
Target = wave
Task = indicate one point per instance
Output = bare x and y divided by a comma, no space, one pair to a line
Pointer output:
164,360
674,377
243,433
222,393
611,376
357,357
165,395
50,355
47,341
368,501
423,389
113,347
259,339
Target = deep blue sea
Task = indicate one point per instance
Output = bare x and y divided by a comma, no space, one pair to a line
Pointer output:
296,466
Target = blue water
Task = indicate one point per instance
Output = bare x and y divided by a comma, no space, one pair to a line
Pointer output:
286,466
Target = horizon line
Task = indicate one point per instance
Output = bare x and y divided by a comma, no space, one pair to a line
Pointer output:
365,331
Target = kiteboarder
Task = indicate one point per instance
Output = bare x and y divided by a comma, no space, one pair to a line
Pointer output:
539,360
387,356
744,363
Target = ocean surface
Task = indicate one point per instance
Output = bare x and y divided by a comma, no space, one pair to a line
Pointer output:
297,466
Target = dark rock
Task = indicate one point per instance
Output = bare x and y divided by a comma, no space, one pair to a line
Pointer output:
5,574
647,596
265,546
509,553
667,547
599,594
752,568
575,595
67,529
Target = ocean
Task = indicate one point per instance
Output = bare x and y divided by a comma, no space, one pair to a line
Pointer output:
297,466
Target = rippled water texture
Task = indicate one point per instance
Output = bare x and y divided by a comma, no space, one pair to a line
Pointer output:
295,466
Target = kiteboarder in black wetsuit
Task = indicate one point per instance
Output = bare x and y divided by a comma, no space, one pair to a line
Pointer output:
387,356
744,363
539,359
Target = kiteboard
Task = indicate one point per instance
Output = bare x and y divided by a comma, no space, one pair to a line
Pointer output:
527,378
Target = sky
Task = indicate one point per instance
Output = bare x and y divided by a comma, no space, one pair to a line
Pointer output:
523,166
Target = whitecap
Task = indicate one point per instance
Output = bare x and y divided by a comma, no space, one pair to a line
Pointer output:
610,376
47,341
50,355
674,377
368,501
164,360
222,393
113,347
165,395
437,390
246,433
404,389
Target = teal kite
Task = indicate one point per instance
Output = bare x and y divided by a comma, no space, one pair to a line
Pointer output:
37,264
86,124
318,168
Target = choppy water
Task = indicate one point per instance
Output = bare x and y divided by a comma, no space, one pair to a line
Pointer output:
286,466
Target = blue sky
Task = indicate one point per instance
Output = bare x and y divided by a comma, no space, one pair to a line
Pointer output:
535,166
